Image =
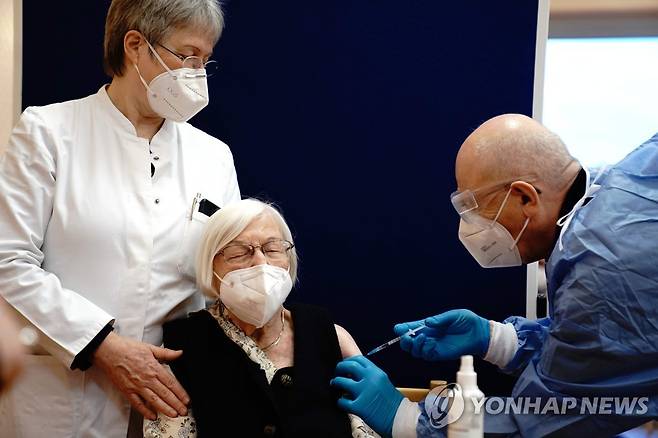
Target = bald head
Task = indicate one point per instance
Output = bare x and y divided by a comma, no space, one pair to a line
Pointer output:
512,146
511,149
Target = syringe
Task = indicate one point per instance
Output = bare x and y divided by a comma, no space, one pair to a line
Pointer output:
394,340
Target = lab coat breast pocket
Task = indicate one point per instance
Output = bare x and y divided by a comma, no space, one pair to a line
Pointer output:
194,227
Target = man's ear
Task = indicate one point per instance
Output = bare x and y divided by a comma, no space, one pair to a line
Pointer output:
132,41
528,195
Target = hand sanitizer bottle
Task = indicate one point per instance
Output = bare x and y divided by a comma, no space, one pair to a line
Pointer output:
470,424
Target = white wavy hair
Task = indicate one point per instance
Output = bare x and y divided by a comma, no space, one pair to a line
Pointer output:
227,224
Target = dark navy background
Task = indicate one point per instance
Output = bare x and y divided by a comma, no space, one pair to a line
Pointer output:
349,115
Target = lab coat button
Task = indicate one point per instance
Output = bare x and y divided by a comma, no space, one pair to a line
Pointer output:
156,158
157,200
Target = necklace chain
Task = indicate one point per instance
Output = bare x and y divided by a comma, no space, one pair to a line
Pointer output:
222,310
278,338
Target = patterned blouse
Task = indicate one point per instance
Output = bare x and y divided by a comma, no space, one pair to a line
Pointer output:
185,426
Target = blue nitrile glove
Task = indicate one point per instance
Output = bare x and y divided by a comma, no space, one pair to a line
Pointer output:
448,335
369,393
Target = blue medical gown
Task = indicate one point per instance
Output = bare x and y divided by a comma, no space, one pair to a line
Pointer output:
601,338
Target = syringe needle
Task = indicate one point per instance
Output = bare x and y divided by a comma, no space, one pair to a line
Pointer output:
394,340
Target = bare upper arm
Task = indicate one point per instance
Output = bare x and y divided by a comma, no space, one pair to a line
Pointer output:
347,344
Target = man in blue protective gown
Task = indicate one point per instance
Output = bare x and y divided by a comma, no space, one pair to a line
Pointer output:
523,198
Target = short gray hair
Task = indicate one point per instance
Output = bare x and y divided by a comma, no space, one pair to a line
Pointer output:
156,20
227,224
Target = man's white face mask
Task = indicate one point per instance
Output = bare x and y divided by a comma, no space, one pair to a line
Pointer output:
178,94
490,244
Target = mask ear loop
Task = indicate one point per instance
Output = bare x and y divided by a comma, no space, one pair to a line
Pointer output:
144,81
222,307
220,279
157,56
500,210
527,221
162,63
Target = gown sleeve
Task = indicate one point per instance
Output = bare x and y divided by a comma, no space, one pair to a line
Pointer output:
530,335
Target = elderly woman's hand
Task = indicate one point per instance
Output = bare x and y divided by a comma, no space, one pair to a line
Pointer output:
11,350
135,369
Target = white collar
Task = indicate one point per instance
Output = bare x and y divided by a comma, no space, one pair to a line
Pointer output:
120,120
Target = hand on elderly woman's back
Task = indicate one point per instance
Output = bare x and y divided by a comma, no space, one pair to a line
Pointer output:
136,369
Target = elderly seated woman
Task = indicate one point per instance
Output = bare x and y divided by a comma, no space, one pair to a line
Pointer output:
253,367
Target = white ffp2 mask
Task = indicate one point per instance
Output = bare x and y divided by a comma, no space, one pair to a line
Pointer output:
255,294
178,94
490,244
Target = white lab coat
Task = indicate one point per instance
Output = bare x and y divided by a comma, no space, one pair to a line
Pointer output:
88,237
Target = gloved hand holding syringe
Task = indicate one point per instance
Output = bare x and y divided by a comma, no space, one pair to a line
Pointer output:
446,336
410,332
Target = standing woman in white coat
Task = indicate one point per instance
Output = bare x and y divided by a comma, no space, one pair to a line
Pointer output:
101,203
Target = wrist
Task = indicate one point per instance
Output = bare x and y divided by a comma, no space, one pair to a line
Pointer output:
503,344
85,358
104,347
406,420
485,338
396,400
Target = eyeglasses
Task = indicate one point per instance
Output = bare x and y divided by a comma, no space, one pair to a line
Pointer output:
195,62
242,253
466,201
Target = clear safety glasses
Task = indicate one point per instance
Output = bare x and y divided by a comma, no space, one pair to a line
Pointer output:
467,202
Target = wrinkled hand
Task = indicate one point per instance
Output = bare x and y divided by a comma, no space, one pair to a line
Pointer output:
11,350
369,393
135,369
448,336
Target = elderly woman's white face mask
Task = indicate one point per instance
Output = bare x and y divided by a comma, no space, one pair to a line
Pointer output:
178,94
255,294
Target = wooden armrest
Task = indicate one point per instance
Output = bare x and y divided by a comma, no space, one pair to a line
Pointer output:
419,394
